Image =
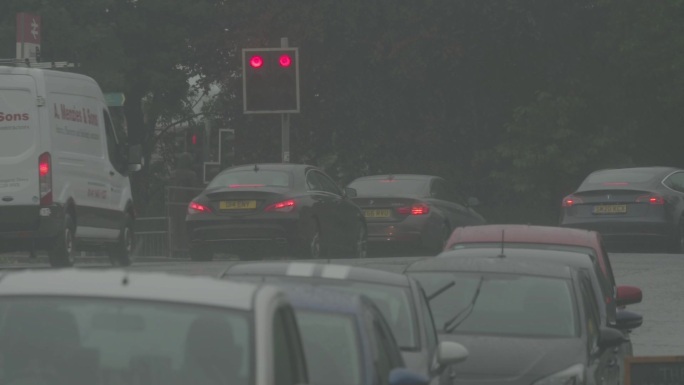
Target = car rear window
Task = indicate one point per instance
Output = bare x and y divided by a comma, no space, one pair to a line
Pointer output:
82,341
249,178
617,178
18,122
389,187
505,304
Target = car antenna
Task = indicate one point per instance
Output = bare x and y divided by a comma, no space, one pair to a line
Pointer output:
502,255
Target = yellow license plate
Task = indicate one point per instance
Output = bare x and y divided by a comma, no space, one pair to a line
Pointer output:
610,209
237,205
376,213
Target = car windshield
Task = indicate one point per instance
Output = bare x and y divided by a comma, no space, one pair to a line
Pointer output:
510,305
250,178
393,301
388,187
83,341
332,348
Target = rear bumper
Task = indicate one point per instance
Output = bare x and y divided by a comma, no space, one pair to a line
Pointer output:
625,230
215,232
29,227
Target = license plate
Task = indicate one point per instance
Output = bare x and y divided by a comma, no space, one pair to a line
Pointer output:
610,209
376,213
237,205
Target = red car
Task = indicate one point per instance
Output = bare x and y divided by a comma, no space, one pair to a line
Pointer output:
556,238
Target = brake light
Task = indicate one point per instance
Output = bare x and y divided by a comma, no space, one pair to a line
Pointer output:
571,200
415,209
198,208
651,199
282,207
45,178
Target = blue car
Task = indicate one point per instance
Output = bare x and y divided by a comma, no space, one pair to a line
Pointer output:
347,340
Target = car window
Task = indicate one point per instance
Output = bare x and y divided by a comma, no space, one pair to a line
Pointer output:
287,351
382,358
591,313
326,183
129,342
332,347
249,178
609,269
314,182
675,181
505,304
117,160
389,187
439,190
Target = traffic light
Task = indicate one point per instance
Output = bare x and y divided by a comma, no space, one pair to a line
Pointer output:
194,143
270,80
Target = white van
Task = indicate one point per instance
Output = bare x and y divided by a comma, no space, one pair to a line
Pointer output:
64,182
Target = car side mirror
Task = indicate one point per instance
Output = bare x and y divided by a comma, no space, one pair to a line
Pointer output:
135,159
610,338
472,202
628,295
350,192
404,376
626,320
450,353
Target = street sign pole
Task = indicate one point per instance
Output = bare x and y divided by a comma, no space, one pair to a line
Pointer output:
285,121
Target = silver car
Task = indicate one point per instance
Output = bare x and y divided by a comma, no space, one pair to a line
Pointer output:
85,327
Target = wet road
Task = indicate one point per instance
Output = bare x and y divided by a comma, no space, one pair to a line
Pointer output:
660,276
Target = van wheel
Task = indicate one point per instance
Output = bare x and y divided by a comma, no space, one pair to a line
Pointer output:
120,254
61,252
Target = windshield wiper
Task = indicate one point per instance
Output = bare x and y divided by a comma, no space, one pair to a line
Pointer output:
441,290
451,324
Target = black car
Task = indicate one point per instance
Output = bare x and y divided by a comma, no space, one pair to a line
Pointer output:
523,323
413,209
291,207
630,205
400,299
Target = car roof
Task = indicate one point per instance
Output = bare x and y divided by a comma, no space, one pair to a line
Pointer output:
121,284
270,167
524,234
494,264
568,258
322,299
653,169
398,176
318,270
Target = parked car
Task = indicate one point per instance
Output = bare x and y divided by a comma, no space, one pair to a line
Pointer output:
550,238
295,208
413,209
347,340
400,299
82,326
64,168
523,323
630,205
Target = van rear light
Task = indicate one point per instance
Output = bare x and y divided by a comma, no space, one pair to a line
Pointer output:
415,209
197,208
45,178
651,199
571,200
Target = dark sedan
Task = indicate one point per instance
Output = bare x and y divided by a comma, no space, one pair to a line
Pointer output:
523,323
294,208
630,205
413,209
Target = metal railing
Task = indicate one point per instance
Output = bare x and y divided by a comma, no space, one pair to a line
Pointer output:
151,236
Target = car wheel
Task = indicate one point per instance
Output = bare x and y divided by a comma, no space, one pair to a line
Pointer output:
677,245
120,253
61,252
361,244
201,254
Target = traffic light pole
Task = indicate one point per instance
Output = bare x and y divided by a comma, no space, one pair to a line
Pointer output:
285,121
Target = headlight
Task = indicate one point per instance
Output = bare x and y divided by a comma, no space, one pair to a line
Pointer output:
573,375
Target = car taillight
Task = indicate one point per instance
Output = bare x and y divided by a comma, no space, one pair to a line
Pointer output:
282,207
571,200
651,199
197,208
45,178
415,209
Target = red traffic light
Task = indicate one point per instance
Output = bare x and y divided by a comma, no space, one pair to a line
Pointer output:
194,139
285,60
256,61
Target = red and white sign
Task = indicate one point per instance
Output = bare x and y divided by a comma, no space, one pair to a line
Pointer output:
28,36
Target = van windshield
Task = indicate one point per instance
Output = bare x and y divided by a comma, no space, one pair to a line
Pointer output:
17,122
